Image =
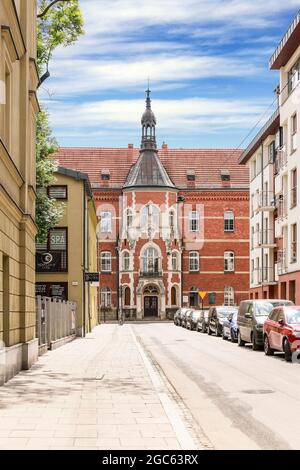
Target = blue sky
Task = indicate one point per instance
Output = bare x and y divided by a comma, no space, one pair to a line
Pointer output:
207,61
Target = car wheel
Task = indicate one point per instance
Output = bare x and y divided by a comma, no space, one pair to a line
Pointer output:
224,336
268,350
232,337
240,341
287,351
218,331
255,345
209,332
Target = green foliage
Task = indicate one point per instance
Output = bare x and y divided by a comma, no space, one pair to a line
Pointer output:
60,25
48,211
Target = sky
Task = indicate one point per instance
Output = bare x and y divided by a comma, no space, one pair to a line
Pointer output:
207,61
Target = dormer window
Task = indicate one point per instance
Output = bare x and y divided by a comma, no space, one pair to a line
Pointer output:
190,175
225,175
105,175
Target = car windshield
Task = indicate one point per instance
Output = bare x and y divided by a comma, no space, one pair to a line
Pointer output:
263,309
234,316
224,313
293,317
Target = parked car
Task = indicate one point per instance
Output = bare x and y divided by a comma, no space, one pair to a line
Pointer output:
177,317
202,322
230,327
282,331
191,320
186,317
251,318
216,318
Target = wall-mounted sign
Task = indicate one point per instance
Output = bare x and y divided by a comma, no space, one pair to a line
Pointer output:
91,277
185,299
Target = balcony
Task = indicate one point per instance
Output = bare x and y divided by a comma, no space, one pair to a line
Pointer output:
282,262
151,274
262,276
266,238
281,160
265,201
282,207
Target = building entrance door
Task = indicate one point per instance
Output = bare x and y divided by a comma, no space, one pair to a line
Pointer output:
150,306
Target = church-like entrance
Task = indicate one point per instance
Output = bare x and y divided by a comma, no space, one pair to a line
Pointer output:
151,297
150,306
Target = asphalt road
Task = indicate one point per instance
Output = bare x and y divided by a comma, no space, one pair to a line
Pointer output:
238,398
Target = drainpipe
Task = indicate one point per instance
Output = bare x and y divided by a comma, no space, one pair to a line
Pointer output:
84,259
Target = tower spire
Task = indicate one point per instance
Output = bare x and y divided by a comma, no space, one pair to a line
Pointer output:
148,124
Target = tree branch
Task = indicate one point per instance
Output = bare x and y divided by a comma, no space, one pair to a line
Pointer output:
44,13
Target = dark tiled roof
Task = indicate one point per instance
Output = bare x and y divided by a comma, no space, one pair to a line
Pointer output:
207,164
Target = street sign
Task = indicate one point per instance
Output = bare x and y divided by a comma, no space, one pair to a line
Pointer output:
202,294
91,277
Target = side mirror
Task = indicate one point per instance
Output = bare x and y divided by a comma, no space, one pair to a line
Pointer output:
248,315
281,322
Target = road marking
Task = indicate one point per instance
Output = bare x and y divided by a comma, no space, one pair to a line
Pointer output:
170,407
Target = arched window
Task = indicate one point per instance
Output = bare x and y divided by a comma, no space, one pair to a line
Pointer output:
174,261
127,297
174,296
150,261
105,297
229,221
193,297
105,261
150,217
194,261
229,296
126,261
228,261
129,218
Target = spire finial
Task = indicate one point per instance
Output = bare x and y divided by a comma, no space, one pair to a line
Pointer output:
148,91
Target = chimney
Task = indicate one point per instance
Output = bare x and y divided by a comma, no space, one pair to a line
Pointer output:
164,146
130,146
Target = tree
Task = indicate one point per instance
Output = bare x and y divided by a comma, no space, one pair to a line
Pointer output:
60,22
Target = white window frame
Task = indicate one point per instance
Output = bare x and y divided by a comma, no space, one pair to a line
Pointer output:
126,259
229,295
106,262
174,261
229,219
105,297
194,221
229,262
194,261
129,218
105,222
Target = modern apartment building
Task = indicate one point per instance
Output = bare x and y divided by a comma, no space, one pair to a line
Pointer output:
274,158
18,109
69,255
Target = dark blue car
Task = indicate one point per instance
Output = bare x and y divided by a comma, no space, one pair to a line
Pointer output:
230,327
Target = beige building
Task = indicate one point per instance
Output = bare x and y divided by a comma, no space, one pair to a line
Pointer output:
273,158
18,109
65,260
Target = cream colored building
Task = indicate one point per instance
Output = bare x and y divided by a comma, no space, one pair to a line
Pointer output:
18,109
273,157
70,253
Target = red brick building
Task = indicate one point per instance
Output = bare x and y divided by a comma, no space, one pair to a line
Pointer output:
172,222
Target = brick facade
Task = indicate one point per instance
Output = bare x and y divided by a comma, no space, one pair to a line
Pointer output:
145,202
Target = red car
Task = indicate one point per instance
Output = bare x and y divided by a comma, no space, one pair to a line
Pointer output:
282,331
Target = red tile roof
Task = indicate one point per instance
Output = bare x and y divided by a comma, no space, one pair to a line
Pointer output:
207,164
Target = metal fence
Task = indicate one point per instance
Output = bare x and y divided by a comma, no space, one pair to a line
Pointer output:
55,320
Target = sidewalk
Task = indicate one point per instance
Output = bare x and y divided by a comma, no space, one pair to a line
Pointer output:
93,393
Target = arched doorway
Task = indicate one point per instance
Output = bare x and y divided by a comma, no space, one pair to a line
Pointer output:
151,294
